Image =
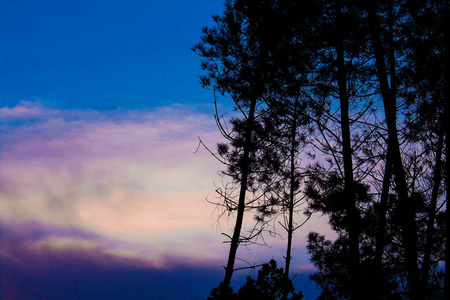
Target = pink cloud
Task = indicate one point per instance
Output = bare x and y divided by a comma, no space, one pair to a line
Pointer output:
128,175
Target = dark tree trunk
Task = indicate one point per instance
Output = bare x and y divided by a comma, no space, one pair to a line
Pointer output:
241,204
381,227
290,228
349,190
406,209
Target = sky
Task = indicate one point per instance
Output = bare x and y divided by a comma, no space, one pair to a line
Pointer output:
102,185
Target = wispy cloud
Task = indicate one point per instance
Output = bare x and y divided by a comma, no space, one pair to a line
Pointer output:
25,110
125,175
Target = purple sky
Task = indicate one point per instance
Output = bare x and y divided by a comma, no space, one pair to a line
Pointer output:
101,193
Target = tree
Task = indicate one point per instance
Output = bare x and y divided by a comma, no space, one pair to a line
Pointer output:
270,284
292,128
236,55
341,78
389,94
243,57
291,202
349,192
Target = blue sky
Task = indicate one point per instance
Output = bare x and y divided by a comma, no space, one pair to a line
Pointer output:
100,189
102,54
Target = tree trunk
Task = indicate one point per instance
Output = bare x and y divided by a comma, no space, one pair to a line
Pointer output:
349,190
381,228
381,225
407,211
241,204
290,228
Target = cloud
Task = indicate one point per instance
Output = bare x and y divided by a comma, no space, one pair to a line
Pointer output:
128,175
24,110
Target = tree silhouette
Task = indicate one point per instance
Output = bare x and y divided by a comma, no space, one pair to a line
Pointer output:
236,56
363,85
243,57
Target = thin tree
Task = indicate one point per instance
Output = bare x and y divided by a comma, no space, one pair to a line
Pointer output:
236,54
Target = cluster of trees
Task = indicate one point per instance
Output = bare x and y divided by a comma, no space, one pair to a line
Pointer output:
360,91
